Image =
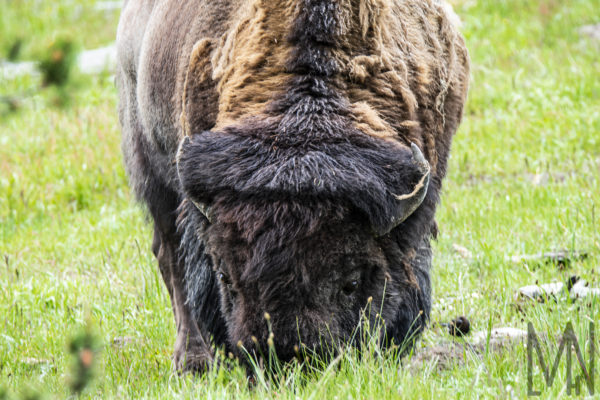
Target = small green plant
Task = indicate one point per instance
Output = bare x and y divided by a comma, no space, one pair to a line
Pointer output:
14,51
58,62
83,348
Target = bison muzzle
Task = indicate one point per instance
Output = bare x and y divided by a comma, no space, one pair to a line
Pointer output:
290,154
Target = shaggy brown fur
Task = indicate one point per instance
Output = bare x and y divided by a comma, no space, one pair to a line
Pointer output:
408,63
298,117
400,62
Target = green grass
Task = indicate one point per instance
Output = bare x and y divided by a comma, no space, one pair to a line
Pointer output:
75,249
38,23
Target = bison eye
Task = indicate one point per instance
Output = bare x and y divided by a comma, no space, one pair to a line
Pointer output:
350,287
224,278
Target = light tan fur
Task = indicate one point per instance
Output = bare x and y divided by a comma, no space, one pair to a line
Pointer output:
249,63
399,60
400,57
198,82
368,120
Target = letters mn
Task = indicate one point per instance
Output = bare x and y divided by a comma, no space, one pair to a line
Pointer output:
568,340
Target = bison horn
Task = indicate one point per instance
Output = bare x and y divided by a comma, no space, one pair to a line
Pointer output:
408,203
419,158
204,209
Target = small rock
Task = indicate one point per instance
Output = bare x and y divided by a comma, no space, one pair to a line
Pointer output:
540,179
108,5
560,257
580,290
462,251
10,70
97,60
592,31
34,361
540,292
577,288
500,335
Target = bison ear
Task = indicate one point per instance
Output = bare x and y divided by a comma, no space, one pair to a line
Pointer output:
199,97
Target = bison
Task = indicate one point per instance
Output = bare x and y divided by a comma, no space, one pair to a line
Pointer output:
290,154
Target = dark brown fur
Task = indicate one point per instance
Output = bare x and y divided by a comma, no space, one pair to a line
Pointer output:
293,121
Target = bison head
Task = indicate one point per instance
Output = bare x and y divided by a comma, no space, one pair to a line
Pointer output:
303,231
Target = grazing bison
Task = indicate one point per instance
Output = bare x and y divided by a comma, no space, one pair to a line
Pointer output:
290,154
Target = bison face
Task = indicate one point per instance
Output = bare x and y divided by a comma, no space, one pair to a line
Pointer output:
302,233
312,286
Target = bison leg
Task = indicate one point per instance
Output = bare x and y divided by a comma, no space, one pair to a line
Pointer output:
148,174
152,177
192,352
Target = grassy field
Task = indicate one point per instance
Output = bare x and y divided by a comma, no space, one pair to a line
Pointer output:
75,249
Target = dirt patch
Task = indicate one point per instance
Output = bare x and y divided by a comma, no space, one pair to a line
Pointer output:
591,31
447,354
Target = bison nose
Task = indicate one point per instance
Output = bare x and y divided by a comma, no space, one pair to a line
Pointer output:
289,336
267,348
263,351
